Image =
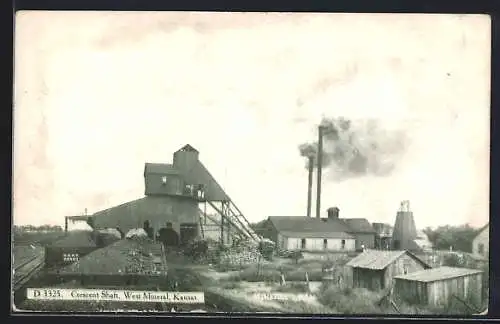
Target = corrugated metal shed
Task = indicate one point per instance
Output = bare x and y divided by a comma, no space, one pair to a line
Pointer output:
379,260
437,274
339,235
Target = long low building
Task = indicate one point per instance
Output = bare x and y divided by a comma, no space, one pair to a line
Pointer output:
330,234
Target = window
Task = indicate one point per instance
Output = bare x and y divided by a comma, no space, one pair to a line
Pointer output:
303,243
480,248
325,244
164,180
342,243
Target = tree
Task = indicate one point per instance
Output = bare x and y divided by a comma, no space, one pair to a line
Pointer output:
458,237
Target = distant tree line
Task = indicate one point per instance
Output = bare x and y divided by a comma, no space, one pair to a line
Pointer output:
458,237
49,228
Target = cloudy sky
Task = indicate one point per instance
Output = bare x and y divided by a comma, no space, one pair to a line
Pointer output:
98,94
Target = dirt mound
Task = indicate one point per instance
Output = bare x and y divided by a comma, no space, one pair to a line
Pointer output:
76,239
126,256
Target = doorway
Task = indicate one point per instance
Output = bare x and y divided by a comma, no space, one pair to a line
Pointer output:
397,245
188,233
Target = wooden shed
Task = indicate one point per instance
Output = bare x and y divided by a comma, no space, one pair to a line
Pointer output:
375,270
436,287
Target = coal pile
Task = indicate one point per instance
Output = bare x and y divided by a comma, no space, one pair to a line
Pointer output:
139,256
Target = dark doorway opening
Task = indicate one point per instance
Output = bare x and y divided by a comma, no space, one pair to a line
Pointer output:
168,236
397,245
188,233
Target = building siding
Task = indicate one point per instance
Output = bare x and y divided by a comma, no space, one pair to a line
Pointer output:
440,293
317,244
383,279
403,265
154,184
483,238
367,278
157,210
366,239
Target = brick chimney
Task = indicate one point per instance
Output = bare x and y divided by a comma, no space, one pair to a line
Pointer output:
333,212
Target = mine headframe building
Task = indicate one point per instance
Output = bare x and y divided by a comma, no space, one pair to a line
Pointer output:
177,195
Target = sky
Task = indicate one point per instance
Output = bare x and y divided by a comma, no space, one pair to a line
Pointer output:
98,94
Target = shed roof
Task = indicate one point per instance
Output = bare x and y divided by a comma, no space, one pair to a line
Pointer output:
437,274
359,225
160,168
304,224
338,235
379,260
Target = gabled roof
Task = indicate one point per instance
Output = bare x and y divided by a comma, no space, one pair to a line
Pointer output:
437,274
479,231
188,148
160,168
379,260
359,225
304,224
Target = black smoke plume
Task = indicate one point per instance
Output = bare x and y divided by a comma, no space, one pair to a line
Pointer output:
357,148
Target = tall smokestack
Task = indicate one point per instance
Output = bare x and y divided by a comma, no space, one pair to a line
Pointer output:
320,166
309,184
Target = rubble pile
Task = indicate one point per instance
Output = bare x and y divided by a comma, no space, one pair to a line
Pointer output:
243,253
137,255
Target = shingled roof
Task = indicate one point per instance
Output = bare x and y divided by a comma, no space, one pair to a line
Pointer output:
379,260
314,227
359,225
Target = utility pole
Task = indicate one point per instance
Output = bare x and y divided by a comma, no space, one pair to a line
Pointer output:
319,166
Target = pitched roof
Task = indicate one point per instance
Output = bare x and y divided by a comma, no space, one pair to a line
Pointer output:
479,231
326,235
304,224
436,274
379,260
188,148
359,225
160,168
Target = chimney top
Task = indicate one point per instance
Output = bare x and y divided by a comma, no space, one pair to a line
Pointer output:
333,212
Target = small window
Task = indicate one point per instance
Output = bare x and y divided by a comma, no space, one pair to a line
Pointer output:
303,243
342,244
325,244
480,248
164,180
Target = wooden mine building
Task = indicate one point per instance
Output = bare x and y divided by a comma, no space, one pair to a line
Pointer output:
375,269
177,195
436,287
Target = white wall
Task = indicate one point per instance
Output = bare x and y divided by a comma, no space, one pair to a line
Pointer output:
316,244
482,238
